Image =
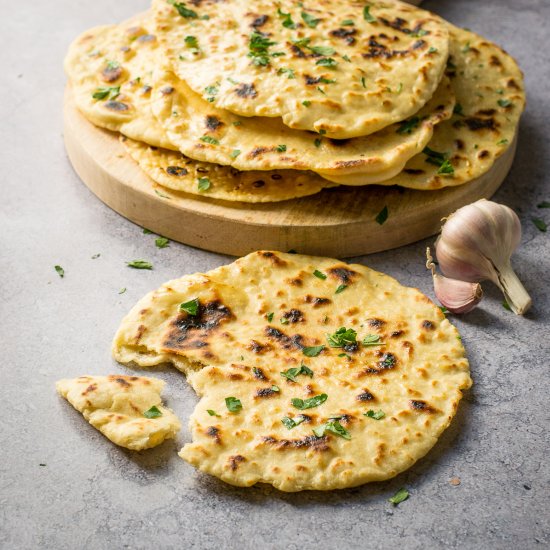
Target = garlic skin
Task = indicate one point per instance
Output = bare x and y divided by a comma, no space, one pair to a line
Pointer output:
476,243
457,296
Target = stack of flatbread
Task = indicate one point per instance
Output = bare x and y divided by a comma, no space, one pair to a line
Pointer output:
261,101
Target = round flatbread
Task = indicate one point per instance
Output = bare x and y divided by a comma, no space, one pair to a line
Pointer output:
203,131
180,173
312,373
490,96
110,72
345,68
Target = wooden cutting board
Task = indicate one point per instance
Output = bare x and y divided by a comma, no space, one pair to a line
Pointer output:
339,222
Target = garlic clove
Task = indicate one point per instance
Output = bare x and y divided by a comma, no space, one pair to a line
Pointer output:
457,296
476,243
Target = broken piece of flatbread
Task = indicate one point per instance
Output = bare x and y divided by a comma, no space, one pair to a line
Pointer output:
126,409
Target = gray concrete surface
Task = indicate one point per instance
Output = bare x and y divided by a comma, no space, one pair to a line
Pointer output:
64,486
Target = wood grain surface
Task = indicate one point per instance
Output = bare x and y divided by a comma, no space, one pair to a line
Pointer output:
338,222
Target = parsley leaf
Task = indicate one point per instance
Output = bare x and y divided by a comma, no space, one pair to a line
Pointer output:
327,62
292,373
342,337
204,184
332,426
543,204
382,216
347,23
281,148
275,388
258,47
287,19
312,351
106,92
183,10
319,274
503,141
439,159
322,50
191,307
147,231
235,153
367,16
153,412
122,290
317,142
446,169
372,340
212,413
293,422
506,305
309,403
191,41
309,20
400,496
289,72
306,103
407,126
60,270
376,415
269,316
340,288
233,404
140,264
209,139
162,242
540,224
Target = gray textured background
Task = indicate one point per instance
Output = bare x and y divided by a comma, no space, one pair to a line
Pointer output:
92,494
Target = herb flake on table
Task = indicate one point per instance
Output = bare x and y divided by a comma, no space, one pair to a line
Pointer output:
153,412
504,103
191,307
399,497
60,270
540,224
209,139
382,216
162,242
140,264
376,415
309,403
147,231
312,351
292,373
233,404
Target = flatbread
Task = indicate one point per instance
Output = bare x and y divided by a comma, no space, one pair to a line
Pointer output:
116,404
394,47
115,62
260,316
205,132
488,85
177,172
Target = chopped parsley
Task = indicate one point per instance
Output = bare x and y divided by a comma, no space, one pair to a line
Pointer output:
382,216
237,123
106,92
439,159
269,316
192,43
293,422
235,153
327,62
543,204
284,321
122,290
504,102
291,374
309,20
444,310
348,357
432,50
419,33
400,496
372,340
313,351
319,89
183,10
112,65
258,47
446,169
203,184
60,270
363,82
346,58
140,264
322,50
319,274
342,337
324,80
209,139
506,305
306,103
367,16
309,403
233,404
147,231
317,142
161,194
281,148
275,388
287,19
212,413
211,90
376,415
289,72
407,126
191,307
340,288
540,224
458,110
153,412
162,242
347,23
332,426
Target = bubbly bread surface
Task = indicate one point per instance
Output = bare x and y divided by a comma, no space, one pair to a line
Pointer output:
303,343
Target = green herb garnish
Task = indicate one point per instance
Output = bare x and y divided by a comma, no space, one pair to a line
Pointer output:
161,194
506,305
212,413
235,153
287,19
289,72
319,274
292,422
309,403
258,47
400,496
153,412
346,58
106,92
291,374
432,50
327,62
540,224
203,184
340,288
408,126
209,139
367,16
332,426
363,82
140,264
183,10
284,321
382,216
191,307
60,270
372,340
458,110
317,142
281,148
446,169
503,141
312,351
504,102
275,388
306,103
147,231
233,404
309,20
122,290
347,23
342,337
162,242
269,316
377,415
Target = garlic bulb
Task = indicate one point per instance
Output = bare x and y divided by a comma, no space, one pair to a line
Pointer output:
456,296
476,243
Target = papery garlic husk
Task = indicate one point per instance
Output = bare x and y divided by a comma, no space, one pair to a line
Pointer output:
457,296
476,243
